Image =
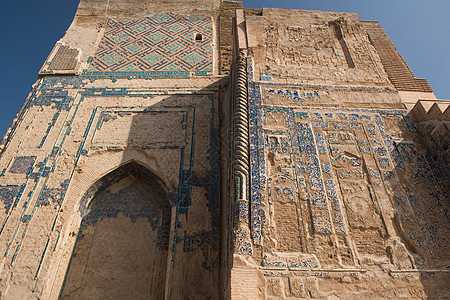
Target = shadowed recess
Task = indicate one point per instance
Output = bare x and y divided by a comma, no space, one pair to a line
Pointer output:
121,248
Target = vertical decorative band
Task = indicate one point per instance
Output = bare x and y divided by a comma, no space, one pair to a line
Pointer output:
241,135
241,158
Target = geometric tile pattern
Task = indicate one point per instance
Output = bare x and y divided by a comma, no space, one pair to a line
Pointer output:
53,195
22,164
165,42
53,94
62,60
65,59
332,147
10,195
134,203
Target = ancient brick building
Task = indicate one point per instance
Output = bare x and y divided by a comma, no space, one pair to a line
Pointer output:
192,149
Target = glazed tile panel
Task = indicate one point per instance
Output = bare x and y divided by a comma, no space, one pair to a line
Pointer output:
338,159
162,43
22,164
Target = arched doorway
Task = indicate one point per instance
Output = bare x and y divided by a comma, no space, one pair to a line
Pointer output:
121,248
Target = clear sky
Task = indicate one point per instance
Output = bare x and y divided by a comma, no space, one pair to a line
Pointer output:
420,29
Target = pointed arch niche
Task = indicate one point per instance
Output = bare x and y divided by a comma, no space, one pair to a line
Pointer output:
122,245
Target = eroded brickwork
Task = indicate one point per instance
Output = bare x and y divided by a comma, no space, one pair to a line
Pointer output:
345,201
110,181
227,15
191,149
396,68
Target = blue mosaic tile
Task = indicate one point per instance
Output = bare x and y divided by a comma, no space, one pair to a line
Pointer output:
57,82
241,212
278,144
53,195
384,162
131,201
327,168
302,115
22,164
167,44
303,263
202,241
10,195
58,99
307,146
242,238
26,218
55,151
210,182
372,129
296,95
388,175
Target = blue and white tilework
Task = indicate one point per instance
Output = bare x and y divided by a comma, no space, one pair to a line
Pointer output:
158,44
322,137
22,164
10,195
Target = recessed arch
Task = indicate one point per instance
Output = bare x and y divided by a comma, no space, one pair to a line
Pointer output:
122,245
118,174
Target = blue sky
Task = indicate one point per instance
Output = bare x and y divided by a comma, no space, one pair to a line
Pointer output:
29,29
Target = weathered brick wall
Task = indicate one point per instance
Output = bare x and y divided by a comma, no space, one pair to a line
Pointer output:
112,171
324,47
226,17
245,284
343,202
132,156
396,68
128,8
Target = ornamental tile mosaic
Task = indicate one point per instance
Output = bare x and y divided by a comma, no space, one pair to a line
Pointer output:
10,195
22,164
342,157
162,43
